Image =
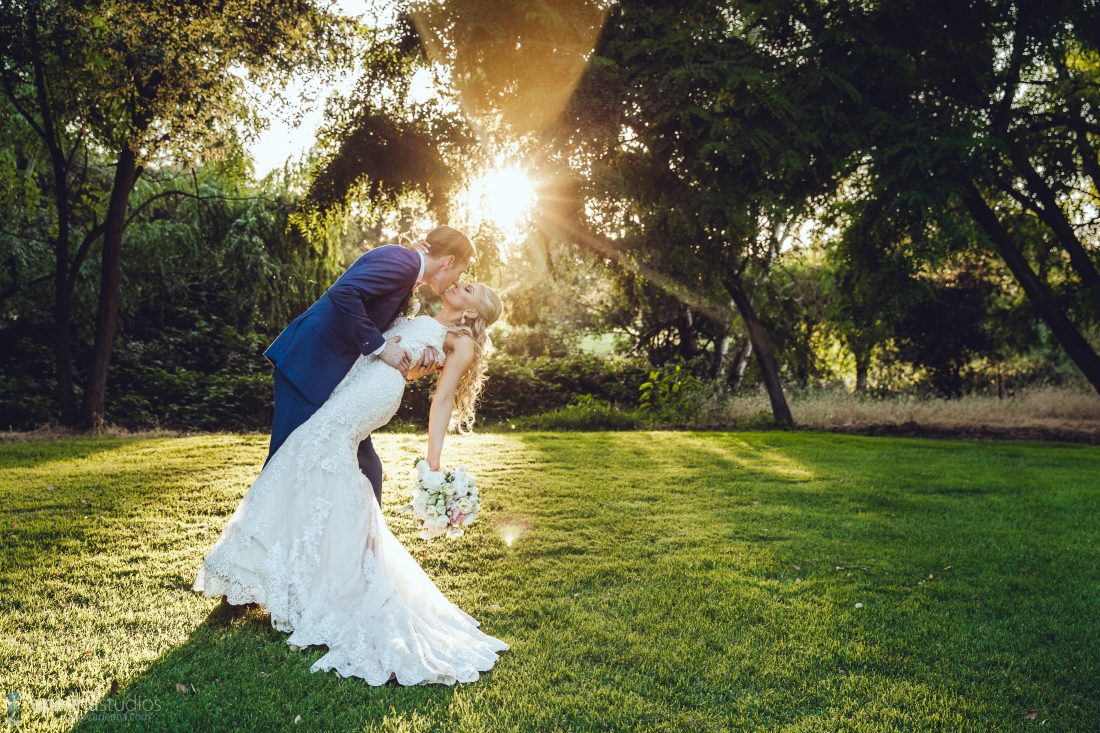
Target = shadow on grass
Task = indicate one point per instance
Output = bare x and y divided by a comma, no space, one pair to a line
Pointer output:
63,499
36,453
101,565
235,672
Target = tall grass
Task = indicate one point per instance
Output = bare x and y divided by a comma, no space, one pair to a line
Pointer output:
1056,409
1042,412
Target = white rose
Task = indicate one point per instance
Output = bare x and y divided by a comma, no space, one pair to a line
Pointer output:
432,480
468,519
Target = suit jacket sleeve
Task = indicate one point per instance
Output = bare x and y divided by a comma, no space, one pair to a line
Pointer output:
373,278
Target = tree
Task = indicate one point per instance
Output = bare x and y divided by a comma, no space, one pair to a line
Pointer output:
870,273
142,82
379,146
699,154
982,129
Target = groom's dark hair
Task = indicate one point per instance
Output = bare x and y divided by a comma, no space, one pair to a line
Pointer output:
445,241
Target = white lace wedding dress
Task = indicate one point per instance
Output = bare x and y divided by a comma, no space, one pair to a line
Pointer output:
310,544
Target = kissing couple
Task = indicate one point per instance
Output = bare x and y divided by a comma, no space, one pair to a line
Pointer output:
308,542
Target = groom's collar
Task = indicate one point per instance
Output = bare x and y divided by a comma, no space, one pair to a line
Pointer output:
420,275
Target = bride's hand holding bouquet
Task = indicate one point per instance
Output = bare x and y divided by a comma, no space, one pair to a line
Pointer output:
445,501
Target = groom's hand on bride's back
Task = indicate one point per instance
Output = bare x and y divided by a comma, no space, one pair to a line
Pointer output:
396,356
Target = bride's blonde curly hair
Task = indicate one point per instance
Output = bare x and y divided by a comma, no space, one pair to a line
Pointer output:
469,387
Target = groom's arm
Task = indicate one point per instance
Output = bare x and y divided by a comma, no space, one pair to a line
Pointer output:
350,294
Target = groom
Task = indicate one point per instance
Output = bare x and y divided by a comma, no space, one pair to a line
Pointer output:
318,348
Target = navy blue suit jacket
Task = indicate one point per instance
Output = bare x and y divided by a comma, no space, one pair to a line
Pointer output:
318,347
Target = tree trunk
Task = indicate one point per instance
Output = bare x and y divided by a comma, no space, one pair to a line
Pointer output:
765,354
722,362
62,311
686,329
62,307
863,364
109,289
740,363
1068,335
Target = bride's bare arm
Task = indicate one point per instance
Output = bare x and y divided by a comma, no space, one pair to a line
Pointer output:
439,417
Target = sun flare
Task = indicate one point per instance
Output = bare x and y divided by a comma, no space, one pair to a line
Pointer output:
503,196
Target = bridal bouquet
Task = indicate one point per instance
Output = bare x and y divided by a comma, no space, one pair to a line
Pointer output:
446,501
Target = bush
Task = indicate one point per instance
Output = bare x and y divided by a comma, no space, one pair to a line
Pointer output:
585,412
670,394
203,374
519,386
161,382
28,388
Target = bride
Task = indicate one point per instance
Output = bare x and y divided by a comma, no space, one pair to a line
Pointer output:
309,542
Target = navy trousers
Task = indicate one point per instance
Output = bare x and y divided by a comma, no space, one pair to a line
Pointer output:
292,409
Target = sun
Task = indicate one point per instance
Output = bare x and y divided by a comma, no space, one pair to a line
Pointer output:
504,196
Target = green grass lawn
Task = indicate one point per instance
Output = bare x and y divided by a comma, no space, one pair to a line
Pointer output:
655,581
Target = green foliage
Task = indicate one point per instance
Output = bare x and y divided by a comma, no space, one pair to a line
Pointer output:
162,77
967,304
585,412
556,295
133,87
380,147
170,379
699,135
26,389
210,279
666,390
512,66
520,386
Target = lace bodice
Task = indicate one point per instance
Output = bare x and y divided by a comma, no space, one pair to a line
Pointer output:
417,334
370,394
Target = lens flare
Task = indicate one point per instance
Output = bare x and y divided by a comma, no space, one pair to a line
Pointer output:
503,196
511,530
